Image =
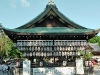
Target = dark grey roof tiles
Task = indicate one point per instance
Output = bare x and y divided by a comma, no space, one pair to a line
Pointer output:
95,47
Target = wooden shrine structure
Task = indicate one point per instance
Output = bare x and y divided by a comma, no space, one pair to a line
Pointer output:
51,37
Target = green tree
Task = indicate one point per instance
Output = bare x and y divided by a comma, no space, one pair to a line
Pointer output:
88,55
7,49
4,47
15,53
95,39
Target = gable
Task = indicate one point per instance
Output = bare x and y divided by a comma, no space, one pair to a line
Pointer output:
51,19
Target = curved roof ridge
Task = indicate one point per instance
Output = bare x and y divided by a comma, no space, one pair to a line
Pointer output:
34,19
68,20
47,9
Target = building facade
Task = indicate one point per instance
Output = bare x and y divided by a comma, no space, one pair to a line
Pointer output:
51,37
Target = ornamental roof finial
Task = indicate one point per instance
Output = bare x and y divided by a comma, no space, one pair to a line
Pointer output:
51,2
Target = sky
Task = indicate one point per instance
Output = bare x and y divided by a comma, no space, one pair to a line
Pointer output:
15,13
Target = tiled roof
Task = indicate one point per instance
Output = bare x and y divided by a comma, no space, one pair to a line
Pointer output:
51,30
95,47
48,8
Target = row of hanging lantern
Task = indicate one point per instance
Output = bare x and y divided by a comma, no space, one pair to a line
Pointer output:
70,43
37,48
51,53
50,48
35,43
50,43
68,48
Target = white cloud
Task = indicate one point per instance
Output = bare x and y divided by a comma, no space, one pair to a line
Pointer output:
25,3
13,3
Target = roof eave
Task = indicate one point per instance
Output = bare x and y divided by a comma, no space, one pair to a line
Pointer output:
8,31
92,32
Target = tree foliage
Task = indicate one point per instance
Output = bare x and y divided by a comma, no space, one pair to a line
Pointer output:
4,47
7,49
95,39
88,55
15,53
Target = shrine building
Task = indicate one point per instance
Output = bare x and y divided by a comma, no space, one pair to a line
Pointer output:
51,37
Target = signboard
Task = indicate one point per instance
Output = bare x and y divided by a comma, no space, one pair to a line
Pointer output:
54,71
26,67
79,66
